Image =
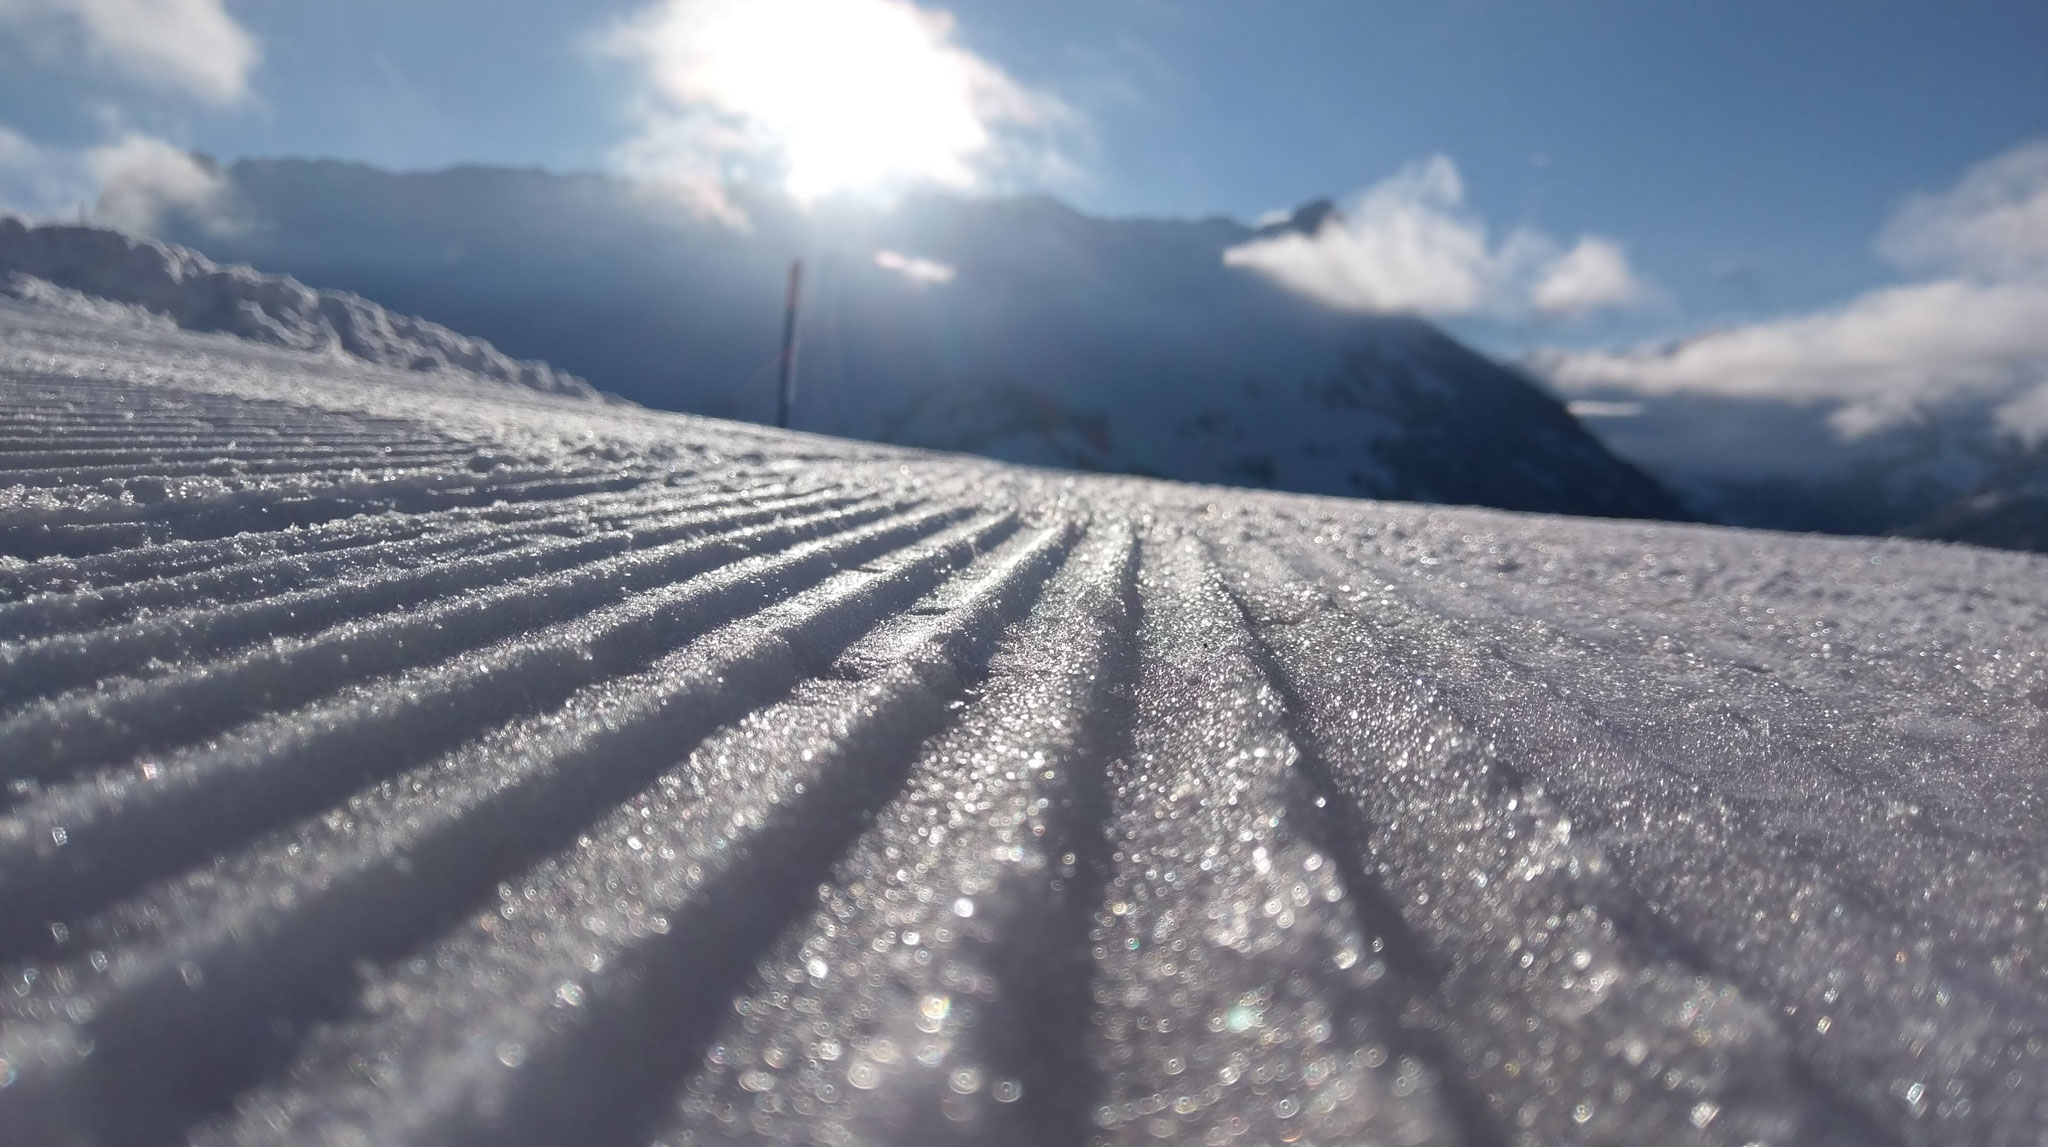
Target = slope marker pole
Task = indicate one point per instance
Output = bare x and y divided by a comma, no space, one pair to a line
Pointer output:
787,393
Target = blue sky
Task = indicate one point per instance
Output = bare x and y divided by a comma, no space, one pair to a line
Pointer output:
1743,156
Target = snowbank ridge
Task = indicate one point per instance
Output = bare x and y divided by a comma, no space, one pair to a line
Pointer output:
201,295
401,764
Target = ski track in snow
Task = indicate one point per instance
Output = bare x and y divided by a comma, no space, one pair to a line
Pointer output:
395,759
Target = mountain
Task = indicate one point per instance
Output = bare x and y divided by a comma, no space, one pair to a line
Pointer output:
2009,509
1953,470
1918,408
1015,328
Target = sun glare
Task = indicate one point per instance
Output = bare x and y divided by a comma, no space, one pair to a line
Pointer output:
846,94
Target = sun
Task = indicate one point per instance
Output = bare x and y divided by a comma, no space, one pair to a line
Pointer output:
842,94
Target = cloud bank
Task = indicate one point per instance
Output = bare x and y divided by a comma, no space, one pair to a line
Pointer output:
1878,359
193,47
822,96
1408,244
1978,330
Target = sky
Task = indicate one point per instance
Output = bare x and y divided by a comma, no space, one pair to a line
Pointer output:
1596,175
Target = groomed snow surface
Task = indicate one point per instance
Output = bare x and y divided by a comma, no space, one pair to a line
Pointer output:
393,759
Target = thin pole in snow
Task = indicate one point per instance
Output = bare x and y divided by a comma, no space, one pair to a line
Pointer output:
788,390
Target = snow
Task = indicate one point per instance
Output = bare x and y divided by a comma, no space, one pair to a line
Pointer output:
404,757
92,269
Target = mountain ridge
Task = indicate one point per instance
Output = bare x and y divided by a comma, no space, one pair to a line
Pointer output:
1036,333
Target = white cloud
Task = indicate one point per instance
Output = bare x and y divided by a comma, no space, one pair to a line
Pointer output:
823,95
914,268
1881,358
1403,246
142,179
1992,224
1594,408
1594,275
132,182
192,46
1876,359
1408,244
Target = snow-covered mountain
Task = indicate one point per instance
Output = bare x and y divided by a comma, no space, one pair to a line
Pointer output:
1952,470
2009,508
1015,328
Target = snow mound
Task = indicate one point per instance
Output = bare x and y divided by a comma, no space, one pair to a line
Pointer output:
200,295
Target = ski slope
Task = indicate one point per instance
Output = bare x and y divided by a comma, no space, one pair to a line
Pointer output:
399,758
